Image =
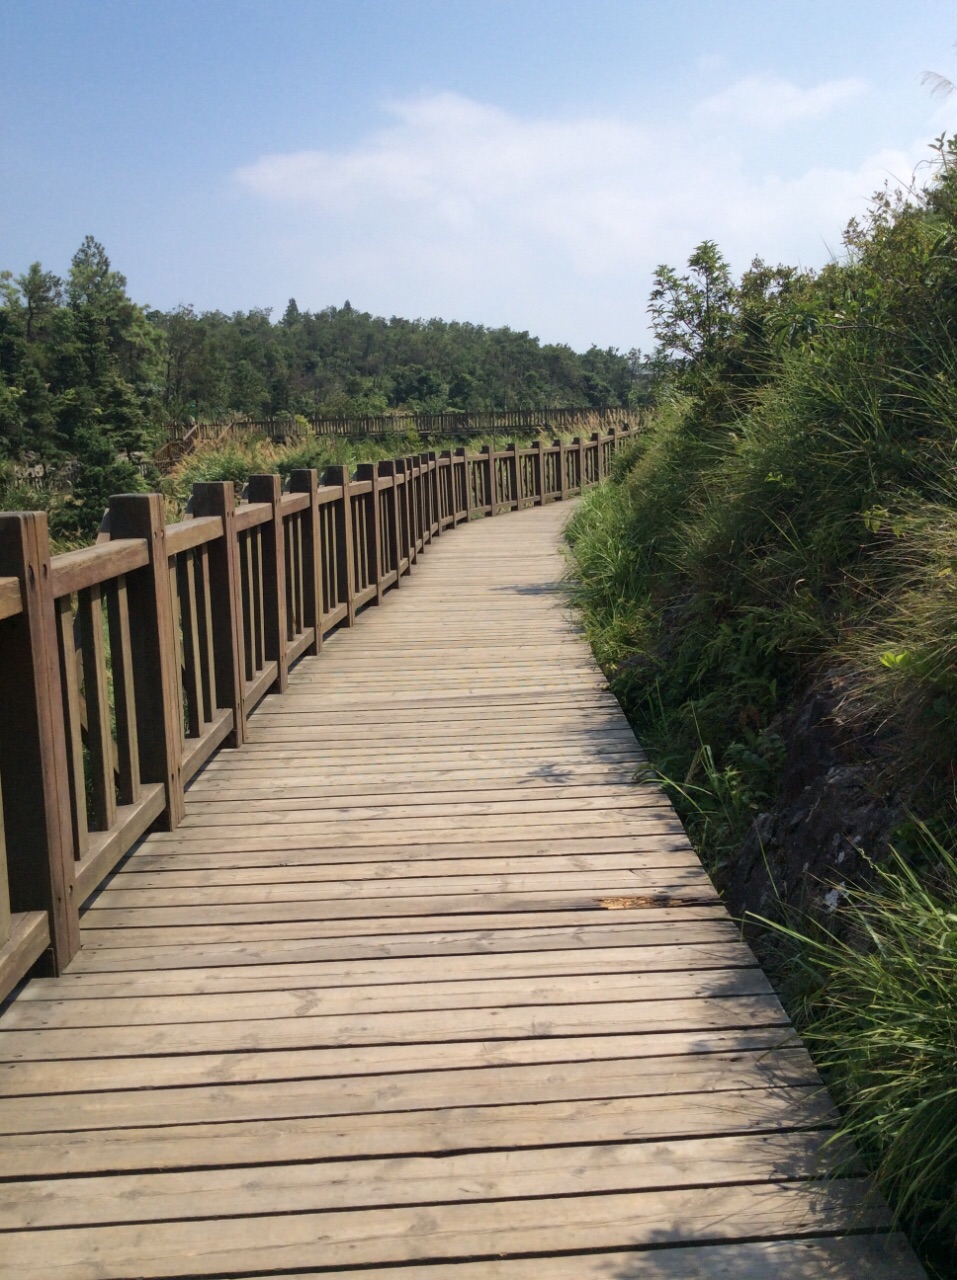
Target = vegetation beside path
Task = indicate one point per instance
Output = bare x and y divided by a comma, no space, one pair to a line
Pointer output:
770,580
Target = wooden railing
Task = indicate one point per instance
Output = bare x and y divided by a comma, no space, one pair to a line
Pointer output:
181,438
125,665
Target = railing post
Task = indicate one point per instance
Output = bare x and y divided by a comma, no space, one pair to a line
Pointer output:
369,471
153,647
306,480
36,783
268,488
217,498
345,573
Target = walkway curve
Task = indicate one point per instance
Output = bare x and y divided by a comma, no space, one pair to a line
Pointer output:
425,981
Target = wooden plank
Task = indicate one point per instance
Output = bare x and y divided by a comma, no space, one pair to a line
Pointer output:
711,1013
490,1228
649,849
376,1094
169,875
182,942
101,1075
284,811
109,951
498,991
461,1128
291,975
673,883
585,1170
881,1257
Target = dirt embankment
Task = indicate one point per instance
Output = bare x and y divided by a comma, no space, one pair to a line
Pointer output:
833,814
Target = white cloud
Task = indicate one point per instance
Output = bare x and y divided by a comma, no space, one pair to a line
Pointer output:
461,209
770,102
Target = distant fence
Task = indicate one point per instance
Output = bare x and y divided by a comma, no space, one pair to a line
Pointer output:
183,437
125,665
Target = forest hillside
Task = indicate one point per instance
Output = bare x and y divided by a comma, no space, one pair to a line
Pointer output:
90,380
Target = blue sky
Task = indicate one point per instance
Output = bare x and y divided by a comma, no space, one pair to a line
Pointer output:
526,162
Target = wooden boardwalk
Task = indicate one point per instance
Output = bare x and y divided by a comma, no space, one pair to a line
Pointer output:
424,983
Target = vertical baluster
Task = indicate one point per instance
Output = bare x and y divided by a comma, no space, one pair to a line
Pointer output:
406,549
96,692
345,575
435,495
372,528
124,698
221,561
306,480
248,588
299,576
192,677
393,518
513,479
179,662
561,477
204,627
72,719
464,511
272,576
329,559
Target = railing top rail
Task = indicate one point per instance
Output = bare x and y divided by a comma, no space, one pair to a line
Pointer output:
293,502
249,514
11,602
72,571
192,532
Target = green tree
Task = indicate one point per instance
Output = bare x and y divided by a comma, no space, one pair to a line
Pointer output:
691,315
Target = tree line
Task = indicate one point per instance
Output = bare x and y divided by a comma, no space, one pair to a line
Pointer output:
82,366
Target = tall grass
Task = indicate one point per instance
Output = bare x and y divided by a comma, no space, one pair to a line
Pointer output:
878,1010
798,541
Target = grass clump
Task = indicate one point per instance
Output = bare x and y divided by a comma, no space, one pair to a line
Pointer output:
879,1013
